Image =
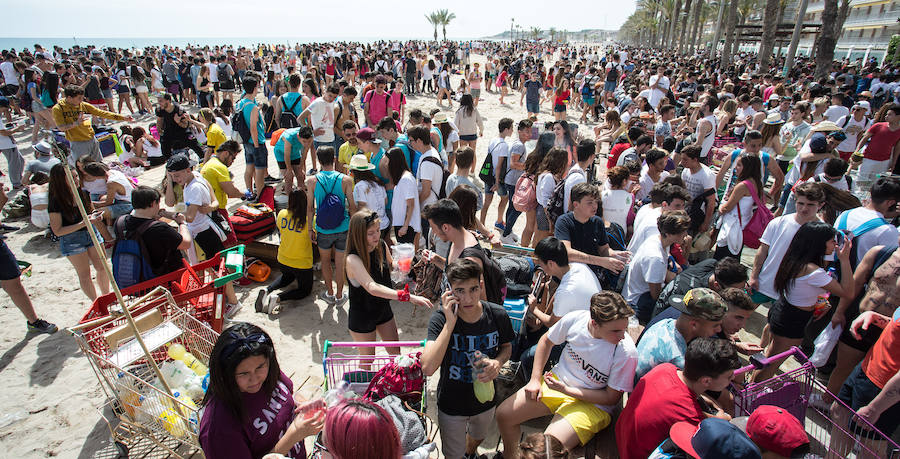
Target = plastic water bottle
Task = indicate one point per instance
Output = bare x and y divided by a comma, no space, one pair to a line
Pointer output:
127,393
176,373
193,387
336,394
484,391
178,352
190,413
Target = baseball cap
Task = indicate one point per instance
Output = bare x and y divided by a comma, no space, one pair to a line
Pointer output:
367,134
774,97
714,438
775,429
177,163
702,303
818,144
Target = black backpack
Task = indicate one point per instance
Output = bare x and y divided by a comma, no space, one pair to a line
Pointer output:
443,191
556,204
613,74
288,118
494,279
240,127
226,79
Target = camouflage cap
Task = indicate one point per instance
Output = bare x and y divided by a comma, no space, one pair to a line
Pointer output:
703,303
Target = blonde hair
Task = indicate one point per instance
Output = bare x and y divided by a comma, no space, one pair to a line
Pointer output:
207,114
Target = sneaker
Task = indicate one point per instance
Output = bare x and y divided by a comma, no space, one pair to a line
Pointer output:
261,299
329,298
249,196
232,309
270,180
273,306
341,299
312,171
500,226
509,239
41,326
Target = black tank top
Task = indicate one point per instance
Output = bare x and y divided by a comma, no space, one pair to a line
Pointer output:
380,274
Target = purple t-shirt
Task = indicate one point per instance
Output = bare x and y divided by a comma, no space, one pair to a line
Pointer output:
268,417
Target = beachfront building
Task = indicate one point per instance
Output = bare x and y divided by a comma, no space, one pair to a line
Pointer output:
866,32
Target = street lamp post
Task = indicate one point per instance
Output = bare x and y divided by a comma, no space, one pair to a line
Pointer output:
512,23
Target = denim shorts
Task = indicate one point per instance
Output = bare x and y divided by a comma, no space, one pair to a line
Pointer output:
787,320
119,208
858,391
533,107
9,267
609,86
257,156
559,108
469,137
337,241
77,242
501,189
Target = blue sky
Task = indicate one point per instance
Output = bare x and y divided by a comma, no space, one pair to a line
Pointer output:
224,18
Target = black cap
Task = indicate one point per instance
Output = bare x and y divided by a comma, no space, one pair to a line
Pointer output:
178,163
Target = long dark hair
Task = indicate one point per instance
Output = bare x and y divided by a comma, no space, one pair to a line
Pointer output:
236,343
50,83
568,133
807,246
396,164
535,159
297,208
467,103
467,199
60,192
365,176
751,169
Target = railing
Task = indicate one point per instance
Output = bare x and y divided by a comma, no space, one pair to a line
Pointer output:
888,18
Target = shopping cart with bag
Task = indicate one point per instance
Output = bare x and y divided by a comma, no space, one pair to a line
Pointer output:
834,429
141,405
198,289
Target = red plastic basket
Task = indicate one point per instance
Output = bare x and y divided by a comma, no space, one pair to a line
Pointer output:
197,289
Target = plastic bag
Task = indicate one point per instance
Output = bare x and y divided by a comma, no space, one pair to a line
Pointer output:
824,344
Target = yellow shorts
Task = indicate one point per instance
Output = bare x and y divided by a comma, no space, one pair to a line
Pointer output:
584,417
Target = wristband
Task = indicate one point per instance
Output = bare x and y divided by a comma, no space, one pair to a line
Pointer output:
403,295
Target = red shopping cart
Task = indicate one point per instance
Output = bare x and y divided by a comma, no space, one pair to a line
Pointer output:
834,429
198,289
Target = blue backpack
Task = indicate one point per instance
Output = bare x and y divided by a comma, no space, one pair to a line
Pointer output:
331,212
130,259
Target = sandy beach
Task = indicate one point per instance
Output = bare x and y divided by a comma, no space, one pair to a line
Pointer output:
49,403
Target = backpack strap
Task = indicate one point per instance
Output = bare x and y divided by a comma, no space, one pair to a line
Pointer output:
882,257
868,226
296,101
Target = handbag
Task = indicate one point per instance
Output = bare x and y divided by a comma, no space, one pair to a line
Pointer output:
758,222
428,278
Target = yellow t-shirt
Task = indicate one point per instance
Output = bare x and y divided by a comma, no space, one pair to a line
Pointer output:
296,247
215,173
215,137
64,114
347,151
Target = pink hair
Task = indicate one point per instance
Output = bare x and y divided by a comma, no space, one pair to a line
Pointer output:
356,428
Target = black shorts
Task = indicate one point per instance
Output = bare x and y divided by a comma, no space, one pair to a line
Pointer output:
788,321
216,86
9,267
363,318
868,336
209,241
857,392
294,162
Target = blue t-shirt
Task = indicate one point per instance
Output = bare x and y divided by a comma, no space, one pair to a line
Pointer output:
661,343
331,181
288,99
532,96
292,136
246,106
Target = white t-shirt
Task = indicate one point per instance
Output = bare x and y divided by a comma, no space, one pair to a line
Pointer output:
591,363
226,127
321,115
574,176
213,72
646,227
852,129
430,171
777,235
647,184
653,96
883,235
697,183
374,197
647,267
575,290
406,189
197,193
835,112
545,185
499,148
10,76
806,289
616,204
662,82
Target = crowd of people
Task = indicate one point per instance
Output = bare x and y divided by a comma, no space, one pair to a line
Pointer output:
705,191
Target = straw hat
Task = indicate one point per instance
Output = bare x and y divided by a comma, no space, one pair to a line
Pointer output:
359,163
744,77
774,118
825,126
439,118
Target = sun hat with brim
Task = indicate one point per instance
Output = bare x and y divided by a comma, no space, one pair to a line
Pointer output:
714,438
825,126
439,118
745,77
360,163
773,118
866,94
43,147
702,303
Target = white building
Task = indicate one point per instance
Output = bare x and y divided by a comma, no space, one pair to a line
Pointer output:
867,30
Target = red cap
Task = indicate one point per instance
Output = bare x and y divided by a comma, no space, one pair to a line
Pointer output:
776,430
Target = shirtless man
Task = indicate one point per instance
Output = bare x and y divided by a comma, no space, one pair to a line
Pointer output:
882,295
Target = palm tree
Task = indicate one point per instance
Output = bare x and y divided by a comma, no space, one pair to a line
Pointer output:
770,26
673,24
827,39
698,11
684,28
445,17
435,21
552,31
729,35
536,33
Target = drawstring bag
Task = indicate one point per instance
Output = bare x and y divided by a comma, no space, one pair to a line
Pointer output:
757,224
402,377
